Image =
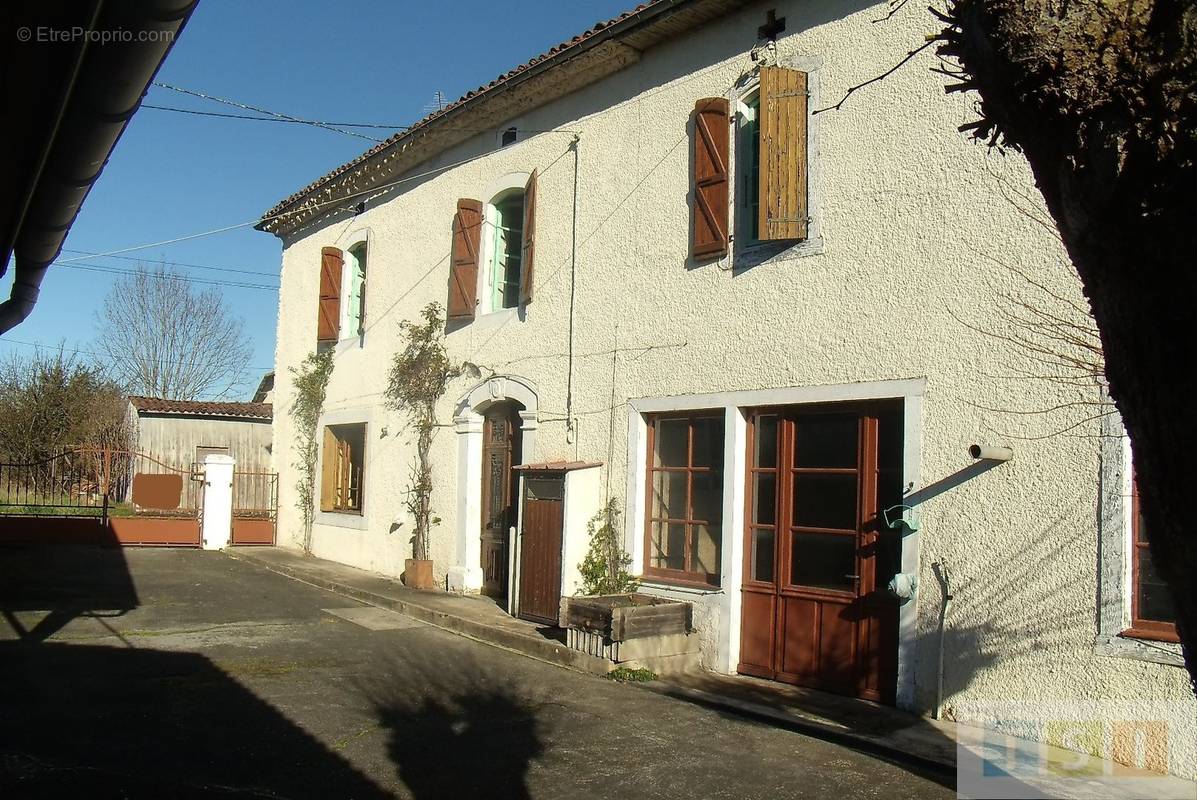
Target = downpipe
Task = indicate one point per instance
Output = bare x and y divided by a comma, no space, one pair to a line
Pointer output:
940,568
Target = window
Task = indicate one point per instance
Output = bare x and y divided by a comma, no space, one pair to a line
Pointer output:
342,468
1153,615
355,299
498,240
685,504
772,180
504,250
508,136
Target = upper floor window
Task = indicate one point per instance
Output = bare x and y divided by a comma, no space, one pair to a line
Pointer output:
685,513
772,183
355,298
508,136
503,250
498,240
1153,615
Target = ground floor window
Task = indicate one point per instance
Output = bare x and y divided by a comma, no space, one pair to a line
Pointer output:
685,503
1153,615
342,468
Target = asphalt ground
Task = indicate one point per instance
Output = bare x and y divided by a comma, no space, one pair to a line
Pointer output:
181,673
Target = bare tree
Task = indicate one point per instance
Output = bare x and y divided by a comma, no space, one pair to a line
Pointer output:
162,338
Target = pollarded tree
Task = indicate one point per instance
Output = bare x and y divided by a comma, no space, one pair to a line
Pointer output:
1101,97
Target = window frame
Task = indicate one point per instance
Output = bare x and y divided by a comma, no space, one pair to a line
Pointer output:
484,293
756,252
684,577
1141,627
337,489
354,271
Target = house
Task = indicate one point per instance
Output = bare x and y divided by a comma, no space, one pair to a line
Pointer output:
772,325
185,432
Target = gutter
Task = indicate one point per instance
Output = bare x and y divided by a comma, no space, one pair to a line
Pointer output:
105,90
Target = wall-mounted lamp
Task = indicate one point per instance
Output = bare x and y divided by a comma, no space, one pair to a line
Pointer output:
987,453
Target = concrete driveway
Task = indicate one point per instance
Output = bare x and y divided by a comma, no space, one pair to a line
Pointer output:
181,673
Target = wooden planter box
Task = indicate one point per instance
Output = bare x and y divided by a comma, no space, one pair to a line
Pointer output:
623,617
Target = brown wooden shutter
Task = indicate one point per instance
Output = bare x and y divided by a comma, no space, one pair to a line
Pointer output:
463,269
783,118
328,471
528,249
708,236
328,315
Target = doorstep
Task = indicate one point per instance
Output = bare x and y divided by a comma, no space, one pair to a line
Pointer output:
472,616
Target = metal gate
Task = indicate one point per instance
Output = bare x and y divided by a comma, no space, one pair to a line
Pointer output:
255,507
100,496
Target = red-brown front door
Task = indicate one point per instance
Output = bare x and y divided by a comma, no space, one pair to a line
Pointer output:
500,452
815,610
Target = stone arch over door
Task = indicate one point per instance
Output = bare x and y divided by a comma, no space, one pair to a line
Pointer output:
466,573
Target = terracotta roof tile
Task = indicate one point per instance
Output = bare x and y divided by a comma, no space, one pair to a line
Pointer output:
208,408
553,52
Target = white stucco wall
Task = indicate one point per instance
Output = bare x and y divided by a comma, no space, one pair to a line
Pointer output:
915,221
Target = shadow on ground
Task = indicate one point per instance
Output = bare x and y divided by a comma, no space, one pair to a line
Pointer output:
458,729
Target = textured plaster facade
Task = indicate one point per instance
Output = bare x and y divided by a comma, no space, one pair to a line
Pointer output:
913,222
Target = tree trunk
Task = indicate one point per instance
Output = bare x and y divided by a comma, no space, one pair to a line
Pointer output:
1101,98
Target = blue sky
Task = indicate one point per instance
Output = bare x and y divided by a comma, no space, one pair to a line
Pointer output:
172,174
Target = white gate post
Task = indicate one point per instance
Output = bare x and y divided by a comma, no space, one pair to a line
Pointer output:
218,501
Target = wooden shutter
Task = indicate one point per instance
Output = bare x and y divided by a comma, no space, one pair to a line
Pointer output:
528,247
463,268
328,316
708,235
361,305
783,117
328,471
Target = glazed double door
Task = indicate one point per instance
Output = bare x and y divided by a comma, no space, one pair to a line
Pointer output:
815,607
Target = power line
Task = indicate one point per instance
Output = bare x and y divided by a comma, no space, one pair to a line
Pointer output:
264,273
198,113
185,278
94,354
247,107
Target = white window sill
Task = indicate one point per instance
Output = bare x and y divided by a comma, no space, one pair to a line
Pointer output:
762,253
341,519
493,319
1139,650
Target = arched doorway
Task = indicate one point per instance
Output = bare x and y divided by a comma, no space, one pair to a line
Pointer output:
501,446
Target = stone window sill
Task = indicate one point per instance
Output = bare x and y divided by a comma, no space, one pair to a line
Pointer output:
1139,650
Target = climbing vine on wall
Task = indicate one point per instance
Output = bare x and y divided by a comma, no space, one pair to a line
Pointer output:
420,374
310,382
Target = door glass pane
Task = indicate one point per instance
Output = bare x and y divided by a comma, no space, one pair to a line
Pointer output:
766,441
707,502
708,442
823,560
762,555
672,440
764,503
825,441
668,546
704,548
825,501
669,491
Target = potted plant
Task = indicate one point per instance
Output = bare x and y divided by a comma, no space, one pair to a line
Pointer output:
419,376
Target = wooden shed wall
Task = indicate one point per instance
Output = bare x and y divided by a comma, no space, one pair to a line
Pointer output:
173,438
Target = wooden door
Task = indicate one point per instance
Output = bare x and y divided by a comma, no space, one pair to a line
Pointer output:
540,548
815,609
500,452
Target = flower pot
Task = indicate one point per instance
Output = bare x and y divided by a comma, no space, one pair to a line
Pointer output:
417,574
